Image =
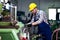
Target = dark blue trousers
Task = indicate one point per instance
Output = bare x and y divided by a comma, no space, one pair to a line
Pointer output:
44,29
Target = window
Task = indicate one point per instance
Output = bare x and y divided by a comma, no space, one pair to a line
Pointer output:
6,1
2,0
59,13
52,14
58,10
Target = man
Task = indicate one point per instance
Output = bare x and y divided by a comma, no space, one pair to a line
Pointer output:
39,18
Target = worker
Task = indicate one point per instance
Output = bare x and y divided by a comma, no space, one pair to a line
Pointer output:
39,18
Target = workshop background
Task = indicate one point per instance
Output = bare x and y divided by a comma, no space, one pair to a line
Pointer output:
42,4
12,21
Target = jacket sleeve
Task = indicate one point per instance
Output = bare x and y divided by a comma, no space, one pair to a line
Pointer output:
41,18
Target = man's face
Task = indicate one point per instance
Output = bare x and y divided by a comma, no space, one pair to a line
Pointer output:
34,11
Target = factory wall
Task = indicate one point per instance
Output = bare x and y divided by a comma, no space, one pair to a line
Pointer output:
44,5
23,5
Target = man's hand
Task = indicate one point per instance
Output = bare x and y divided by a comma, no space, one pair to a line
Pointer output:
34,23
28,24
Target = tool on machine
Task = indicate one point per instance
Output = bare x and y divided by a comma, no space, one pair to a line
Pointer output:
34,35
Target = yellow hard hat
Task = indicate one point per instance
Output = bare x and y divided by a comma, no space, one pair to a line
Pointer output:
32,6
